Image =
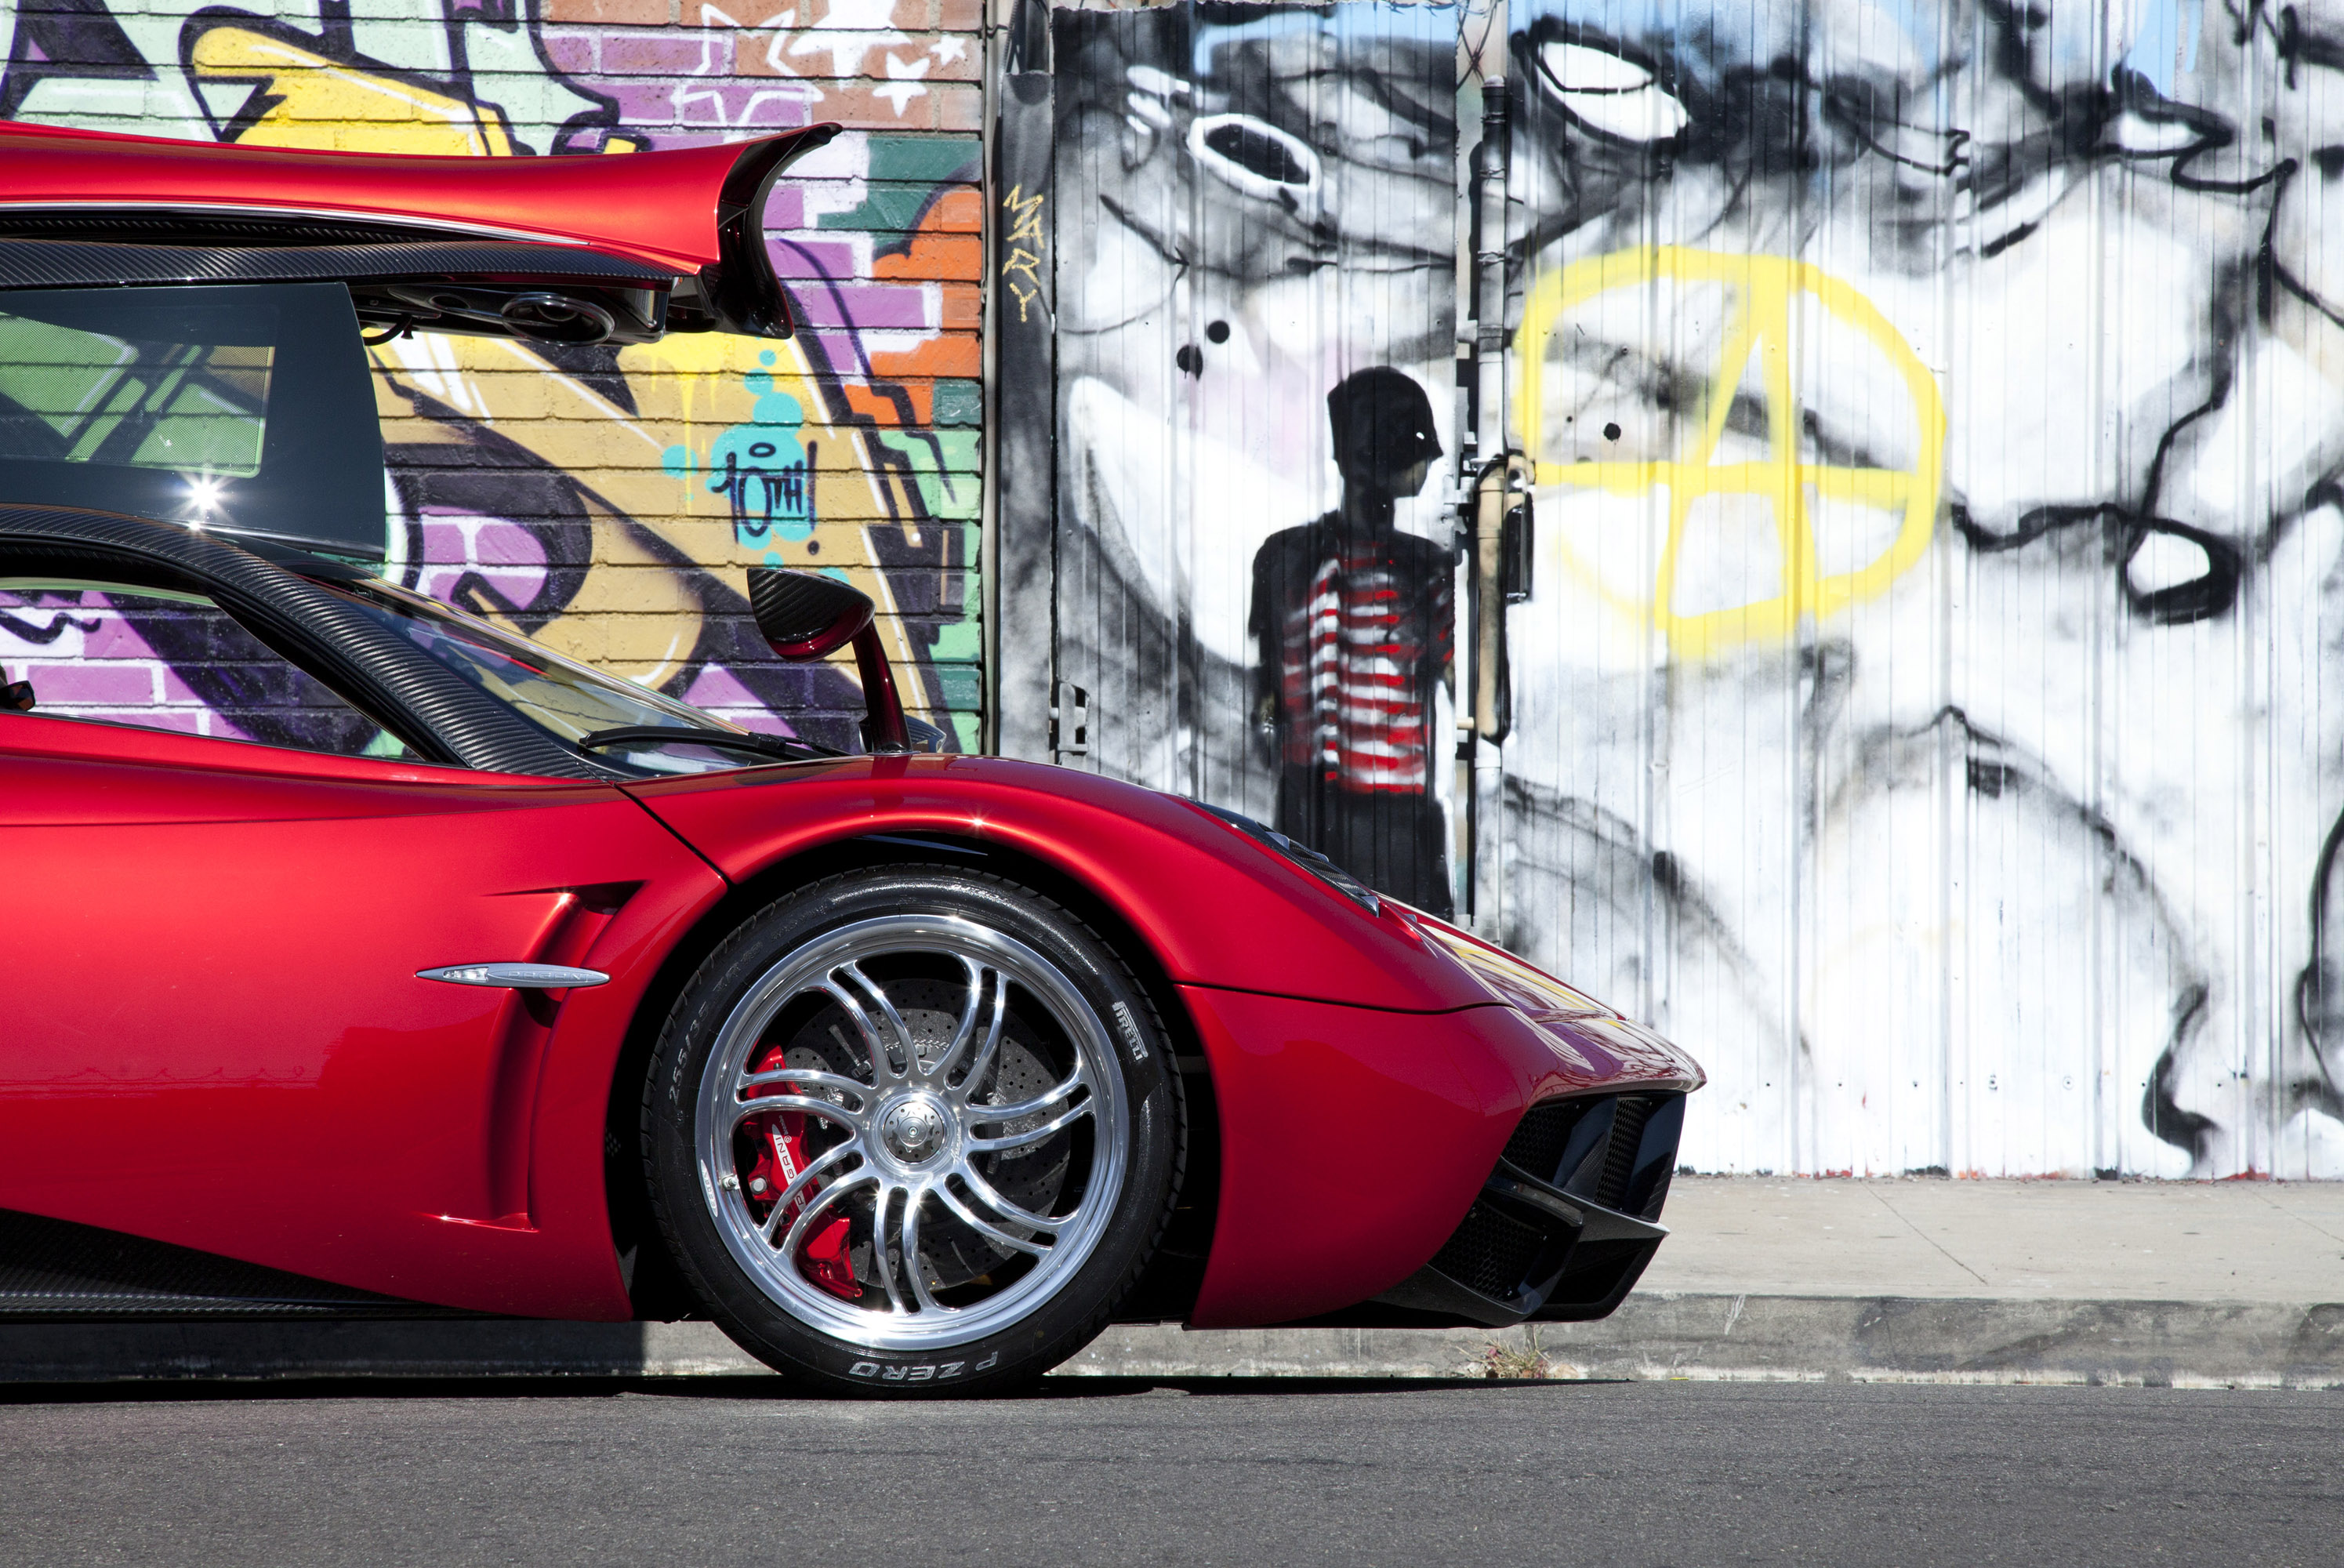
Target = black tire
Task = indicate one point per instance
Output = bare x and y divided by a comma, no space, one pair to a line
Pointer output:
768,1302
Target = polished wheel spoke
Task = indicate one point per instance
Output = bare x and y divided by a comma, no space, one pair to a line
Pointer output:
911,1252
803,1103
983,1227
898,1038
882,1243
1031,1136
973,1079
1059,1094
990,1196
821,1204
809,1078
971,1012
819,1166
875,1044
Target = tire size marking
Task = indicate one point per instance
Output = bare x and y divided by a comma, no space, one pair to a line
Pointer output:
1131,1035
920,1373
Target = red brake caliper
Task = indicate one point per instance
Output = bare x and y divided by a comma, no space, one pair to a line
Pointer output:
780,1156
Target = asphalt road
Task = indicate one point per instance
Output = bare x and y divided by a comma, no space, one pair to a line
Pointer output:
740,1471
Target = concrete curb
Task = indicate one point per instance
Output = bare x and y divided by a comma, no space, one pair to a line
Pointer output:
1801,1339
1656,1335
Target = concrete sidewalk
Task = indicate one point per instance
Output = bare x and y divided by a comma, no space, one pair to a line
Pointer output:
2230,1242
2229,1284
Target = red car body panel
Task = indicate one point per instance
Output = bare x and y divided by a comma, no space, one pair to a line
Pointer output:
1215,908
658,207
450,1148
238,1057
1352,1139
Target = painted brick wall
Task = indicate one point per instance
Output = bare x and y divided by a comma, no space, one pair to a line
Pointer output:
606,500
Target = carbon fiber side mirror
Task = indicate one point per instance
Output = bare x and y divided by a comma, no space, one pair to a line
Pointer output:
803,616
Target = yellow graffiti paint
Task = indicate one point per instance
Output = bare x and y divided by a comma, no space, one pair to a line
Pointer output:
311,100
689,388
640,609
1761,294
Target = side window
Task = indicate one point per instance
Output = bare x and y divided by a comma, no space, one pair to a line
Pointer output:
249,406
167,661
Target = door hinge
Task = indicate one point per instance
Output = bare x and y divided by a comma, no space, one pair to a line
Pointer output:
1070,720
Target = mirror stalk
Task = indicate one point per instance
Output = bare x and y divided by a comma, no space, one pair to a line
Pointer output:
883,729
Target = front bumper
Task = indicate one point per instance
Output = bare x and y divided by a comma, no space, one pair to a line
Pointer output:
1363,1151
1564,1223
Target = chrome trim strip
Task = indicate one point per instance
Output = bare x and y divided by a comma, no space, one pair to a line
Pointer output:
517,976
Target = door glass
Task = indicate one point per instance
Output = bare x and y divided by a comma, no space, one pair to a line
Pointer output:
167,661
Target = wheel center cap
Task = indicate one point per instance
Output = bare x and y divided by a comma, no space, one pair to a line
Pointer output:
913,1129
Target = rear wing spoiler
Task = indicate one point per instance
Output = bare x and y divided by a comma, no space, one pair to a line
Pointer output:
613,249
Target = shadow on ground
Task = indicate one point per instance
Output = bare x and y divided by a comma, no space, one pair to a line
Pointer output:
718,1390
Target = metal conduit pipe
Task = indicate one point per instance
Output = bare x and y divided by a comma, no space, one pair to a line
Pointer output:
1489,703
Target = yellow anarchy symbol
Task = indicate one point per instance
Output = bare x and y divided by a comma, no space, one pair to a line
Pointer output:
1761,292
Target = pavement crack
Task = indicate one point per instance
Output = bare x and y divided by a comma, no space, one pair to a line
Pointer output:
2298,1219
1924,1235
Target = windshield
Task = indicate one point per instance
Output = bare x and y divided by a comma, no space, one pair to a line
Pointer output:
568,700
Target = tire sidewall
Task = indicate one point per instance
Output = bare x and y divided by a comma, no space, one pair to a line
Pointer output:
1053,1329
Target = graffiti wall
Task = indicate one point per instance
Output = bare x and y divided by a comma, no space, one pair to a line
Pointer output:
1927,698
606,500
1249,246
1923,683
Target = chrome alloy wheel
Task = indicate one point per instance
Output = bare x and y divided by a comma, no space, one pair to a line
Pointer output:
864,1105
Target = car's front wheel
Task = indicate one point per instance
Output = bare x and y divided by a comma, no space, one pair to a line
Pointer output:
912,1129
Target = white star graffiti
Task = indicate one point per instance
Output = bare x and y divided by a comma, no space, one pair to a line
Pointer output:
849,30
903,82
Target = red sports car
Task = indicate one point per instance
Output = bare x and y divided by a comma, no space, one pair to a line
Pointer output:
445,975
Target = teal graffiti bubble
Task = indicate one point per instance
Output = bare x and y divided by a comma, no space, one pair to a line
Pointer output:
761,468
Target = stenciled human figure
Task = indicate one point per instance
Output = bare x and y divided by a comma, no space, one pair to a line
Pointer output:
1353,620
